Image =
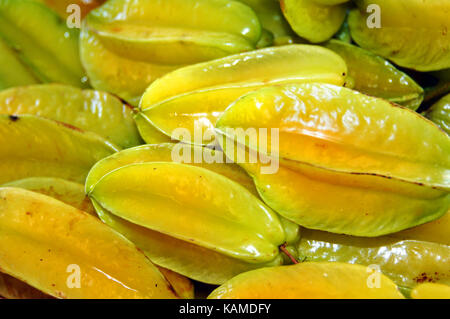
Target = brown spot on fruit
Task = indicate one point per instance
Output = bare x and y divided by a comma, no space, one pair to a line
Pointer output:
320,145
70,126
282,5
424,277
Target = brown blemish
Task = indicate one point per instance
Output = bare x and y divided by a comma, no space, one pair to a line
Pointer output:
14,118
321,145
61,295
424,277
72,223
70,126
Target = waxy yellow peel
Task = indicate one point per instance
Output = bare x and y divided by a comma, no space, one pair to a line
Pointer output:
435,231
186,103
407,261
41,238
37,147
373,75
191,260
42,42
349,133
314,20
431,291
439,113
255,68
186,258
210,202
110,72
388,29
272,19
335,152
126,45
89,110
296,149
308,281
63,190
213,160
16,73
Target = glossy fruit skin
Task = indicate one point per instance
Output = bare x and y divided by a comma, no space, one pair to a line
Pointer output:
435,231
16,74
52,235
253,235
57,149
401,21
389,83
307,281
272,20
72,194
188,259
253,68
41,42
439,113
106,69
89,110
352,179
348,126
63,190
184,249
402,257
123,54
431,291
326,151
213,160
315,21
194,97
